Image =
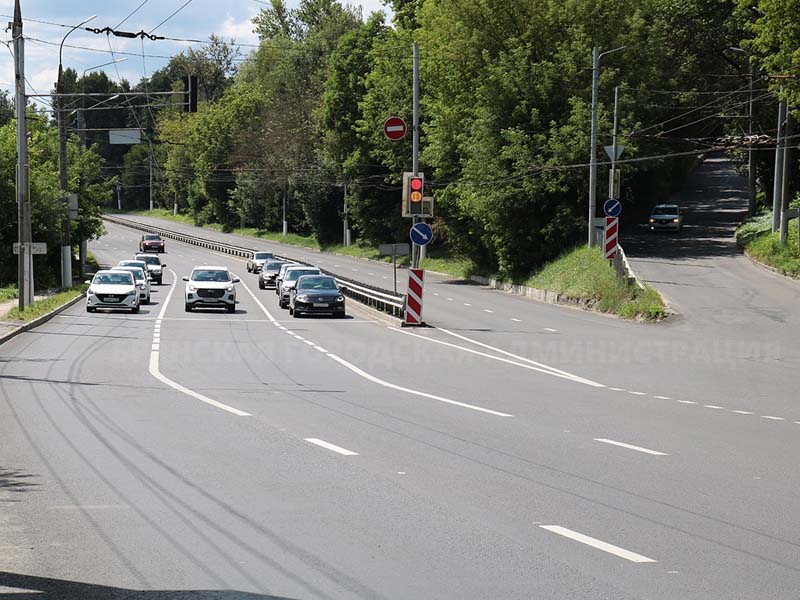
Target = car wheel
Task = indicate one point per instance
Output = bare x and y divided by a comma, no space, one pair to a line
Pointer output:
187,307
295,313
231,308
147,300
261,285
341,315
160,281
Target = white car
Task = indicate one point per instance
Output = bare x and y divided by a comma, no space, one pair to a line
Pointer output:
256,261
142,282
112,289
134,263
281,273
154,266
290,280
210,286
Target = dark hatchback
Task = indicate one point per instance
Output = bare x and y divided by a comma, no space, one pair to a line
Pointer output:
269,273
316,294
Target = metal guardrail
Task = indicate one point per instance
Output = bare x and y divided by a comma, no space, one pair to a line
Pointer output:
375,297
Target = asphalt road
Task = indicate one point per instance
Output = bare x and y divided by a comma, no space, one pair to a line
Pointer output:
517,450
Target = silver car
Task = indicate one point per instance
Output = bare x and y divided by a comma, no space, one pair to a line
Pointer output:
281,273
290,280
154,266
256,261
142,281
666,217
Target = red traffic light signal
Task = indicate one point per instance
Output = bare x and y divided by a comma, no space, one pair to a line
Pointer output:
415,185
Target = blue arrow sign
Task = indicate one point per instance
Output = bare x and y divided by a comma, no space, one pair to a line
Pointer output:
421,234
612,207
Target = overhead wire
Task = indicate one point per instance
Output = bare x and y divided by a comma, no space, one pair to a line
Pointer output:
184,5
133,12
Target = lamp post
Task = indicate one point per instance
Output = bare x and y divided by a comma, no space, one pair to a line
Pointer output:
596,56
66,243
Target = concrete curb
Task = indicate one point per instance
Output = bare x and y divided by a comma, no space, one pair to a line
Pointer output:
766,267
546,296
41,320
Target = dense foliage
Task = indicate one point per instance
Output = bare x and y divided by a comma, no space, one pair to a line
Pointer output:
505,114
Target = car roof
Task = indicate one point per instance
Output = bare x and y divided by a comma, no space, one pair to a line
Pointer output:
666,206
130,260
294,267
142,256
128,268
210,268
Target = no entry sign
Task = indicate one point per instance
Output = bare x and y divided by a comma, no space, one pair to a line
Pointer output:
394,128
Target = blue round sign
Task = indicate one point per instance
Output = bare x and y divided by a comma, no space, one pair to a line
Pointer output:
612,207
421,234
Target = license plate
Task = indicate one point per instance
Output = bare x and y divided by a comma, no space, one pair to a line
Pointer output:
209,299
320,305
112,299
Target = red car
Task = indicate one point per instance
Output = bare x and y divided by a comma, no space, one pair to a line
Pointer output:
151,242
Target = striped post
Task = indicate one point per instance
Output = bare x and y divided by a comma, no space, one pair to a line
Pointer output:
611,237
416,282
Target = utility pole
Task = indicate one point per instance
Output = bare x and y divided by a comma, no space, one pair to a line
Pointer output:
751,168
612,180
416,250
25,260
175,204
150,187
119,197
777,188
786,177
66,226
285,224
82,243
346,232
596,56
593,144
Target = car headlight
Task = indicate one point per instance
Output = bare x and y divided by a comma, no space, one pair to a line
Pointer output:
340,298
652,220
191,289
675,220
301,298
229,288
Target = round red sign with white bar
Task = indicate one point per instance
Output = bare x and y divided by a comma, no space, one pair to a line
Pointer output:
394,128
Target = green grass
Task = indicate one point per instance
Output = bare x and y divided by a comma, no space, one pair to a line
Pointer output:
9,292
756,237
44,306
584,274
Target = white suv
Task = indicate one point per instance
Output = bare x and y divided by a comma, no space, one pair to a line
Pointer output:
210,286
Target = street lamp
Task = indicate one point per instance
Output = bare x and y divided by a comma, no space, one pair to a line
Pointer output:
596,56
66,243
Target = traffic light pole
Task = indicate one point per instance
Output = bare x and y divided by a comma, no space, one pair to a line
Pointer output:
416,249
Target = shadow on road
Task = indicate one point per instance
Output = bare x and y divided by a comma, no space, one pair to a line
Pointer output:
714,202
29,587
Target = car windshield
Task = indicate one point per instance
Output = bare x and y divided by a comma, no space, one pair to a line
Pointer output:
666,209
152,237
293,275
210,275
137,272
262,255
118,278
274,266
131,263
316,283
150,260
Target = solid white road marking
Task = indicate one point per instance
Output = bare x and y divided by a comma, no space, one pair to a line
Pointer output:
321,349
392,386
487,310
516,320
309,342
631,447
558,372
155,372
618,390
742,412
599,544
332,447
772,418
551,330
714,406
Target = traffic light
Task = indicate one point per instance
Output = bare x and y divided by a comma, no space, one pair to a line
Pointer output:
413,191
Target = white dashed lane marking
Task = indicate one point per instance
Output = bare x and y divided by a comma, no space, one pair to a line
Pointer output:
516,320
331,447
598,544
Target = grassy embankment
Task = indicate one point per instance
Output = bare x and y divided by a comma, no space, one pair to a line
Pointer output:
756,237
581,273
50,302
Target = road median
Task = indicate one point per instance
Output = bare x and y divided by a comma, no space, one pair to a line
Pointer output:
16,322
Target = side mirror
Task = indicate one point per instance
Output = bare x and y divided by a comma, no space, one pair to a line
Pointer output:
185,278
163,265
342,289
236,280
